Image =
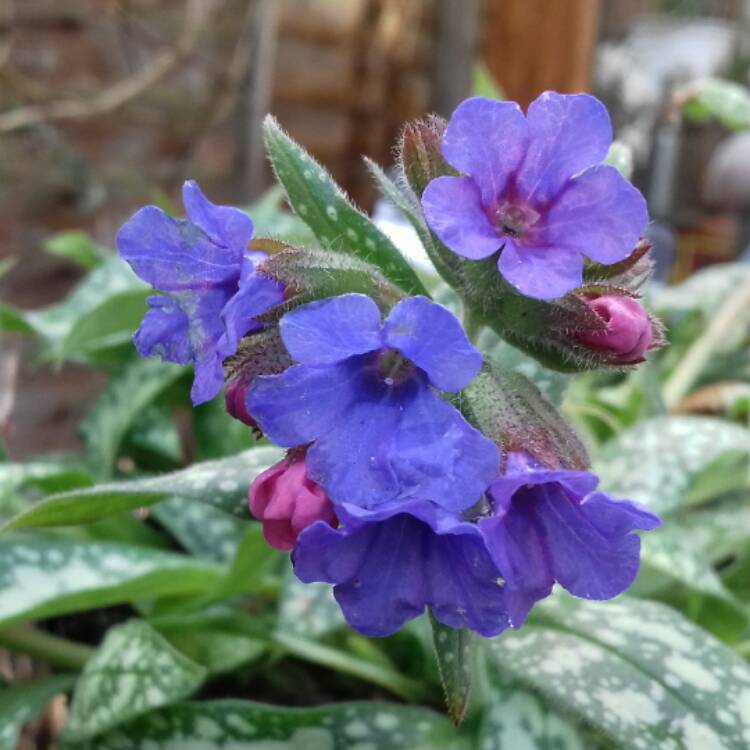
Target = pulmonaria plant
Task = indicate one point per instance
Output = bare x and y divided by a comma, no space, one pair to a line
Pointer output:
533,191
410,483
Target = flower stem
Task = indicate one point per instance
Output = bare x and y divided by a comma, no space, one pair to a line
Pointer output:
56,651
472,326
398,684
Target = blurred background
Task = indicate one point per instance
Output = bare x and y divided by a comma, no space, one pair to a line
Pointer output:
106,105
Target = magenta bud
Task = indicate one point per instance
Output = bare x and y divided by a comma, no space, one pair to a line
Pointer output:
288,501
629,332
235,400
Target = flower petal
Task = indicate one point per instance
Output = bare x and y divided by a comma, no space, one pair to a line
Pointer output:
430,336
520,553
164,331
186,328
302,403
593,555
226,226
388,565
453,210
353,461
541,272
174,255
487,140
256,294
330,330
567,134
437,454
598,213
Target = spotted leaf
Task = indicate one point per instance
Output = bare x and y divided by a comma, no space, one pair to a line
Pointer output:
635,670
255,726
133,671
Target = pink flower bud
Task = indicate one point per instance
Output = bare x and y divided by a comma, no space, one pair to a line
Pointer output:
287,502
235,400
628,333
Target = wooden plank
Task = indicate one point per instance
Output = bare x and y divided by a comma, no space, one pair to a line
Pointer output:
534,45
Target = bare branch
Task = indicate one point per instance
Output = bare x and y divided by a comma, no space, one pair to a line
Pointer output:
197,13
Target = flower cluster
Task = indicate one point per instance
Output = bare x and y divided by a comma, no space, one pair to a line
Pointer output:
388,491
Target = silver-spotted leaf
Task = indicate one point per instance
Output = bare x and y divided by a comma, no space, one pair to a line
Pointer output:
134,671
222,484
635,670
231,725
42,577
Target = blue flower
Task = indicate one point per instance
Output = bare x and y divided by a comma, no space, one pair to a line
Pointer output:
552,525
534,190
388,564
363,394
209,277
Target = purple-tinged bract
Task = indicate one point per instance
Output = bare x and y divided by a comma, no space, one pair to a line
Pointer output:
363,394
534,189
209,278
552,526
388,564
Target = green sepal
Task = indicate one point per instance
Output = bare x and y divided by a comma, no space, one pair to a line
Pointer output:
308,274
510,410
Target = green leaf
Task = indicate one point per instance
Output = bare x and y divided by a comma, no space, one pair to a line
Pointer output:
56,322
635,670
121,404
109,325
453,648
271,220
222,484
23,702
676,573
322,205
203,531
76,246
42,577
307,609
232,724
484,84
217,650
656,462
252,562
47,476
515,719
728,102
134,671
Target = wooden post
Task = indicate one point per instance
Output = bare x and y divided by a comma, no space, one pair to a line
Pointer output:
534,45
454,53
254,101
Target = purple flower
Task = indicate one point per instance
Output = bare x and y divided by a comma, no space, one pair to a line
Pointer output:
551,525
362,395
213,291
534,189
388,564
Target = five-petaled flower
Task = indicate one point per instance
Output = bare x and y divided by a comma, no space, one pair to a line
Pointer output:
389,563
212,290
550,526
364,394
534,189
